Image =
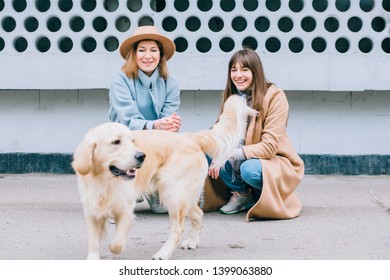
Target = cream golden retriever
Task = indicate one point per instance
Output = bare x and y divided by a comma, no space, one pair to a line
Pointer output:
115,166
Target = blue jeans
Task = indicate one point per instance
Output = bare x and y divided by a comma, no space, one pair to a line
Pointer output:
249,176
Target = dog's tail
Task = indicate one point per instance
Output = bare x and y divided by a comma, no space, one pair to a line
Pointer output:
226,135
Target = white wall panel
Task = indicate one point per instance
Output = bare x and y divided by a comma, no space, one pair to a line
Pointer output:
305,45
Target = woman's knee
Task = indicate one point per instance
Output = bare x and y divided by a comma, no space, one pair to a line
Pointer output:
251,171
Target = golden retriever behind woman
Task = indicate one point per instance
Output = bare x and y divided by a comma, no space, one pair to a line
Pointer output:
114,166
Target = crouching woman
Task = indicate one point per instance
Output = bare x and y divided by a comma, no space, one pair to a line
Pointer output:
262,175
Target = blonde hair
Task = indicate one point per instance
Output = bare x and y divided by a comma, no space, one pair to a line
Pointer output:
130,67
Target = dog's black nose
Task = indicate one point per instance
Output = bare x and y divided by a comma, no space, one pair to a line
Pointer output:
140,157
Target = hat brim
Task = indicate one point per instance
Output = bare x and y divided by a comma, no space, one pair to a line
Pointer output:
167,44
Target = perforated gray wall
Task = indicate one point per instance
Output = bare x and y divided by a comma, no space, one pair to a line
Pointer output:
309,45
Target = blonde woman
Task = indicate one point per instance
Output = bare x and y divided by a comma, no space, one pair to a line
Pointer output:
142,95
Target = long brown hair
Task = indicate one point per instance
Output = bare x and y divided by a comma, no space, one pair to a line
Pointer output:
248,58
130,67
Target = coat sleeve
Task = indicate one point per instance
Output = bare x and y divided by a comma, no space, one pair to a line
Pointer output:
123,108
275,121
172,100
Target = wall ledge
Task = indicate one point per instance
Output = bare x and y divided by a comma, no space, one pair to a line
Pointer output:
57,163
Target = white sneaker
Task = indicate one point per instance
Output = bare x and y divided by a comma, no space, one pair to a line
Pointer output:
155,203
238,203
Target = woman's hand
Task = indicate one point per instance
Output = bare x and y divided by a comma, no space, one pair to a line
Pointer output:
171,123
214,170
176,120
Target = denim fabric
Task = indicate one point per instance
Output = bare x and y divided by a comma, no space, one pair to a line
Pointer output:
250,175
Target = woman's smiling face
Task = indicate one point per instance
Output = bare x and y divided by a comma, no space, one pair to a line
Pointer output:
148,56
241,76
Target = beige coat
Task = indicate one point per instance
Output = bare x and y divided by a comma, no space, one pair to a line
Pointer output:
283,169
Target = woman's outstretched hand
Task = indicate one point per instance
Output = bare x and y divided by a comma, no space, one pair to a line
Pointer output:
214,170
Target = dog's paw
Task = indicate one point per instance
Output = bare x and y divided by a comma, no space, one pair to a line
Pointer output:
117,248
160,255
189,244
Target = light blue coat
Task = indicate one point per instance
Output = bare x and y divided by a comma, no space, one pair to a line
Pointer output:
137,103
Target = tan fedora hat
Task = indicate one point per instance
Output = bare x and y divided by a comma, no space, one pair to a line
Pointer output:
148,33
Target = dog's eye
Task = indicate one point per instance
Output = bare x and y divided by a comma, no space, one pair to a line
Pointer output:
116,142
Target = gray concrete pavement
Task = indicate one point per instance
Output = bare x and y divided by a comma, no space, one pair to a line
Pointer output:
344,217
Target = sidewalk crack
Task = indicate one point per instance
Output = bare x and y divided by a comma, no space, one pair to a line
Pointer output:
379,202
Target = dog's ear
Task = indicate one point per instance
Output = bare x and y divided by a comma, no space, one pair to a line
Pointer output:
83,156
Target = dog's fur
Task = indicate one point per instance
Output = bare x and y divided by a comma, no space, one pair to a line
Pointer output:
113,172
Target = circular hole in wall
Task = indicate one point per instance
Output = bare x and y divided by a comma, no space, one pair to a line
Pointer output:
192,23
331,24
239,24
145,21
42,44
204,5
308,24
88,44
366,5
355,24
272,44
262,24
76,23
181,44
386,45
318,44
2,44
249,42
122,24
227,5
365,45
216,24
20,44
273,5
88,5
19,5
157,5
181,5
99,24
226,44
134,5
53,24
111,43
251,5
65,5
31,24
8,24
111,5
169,24
1,5
295,45
42,5
65,44
342,45
285,24
385,5
203,45
343,5
378,24
320,5
296,5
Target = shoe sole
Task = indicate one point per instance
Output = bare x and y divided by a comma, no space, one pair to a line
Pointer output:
246,207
